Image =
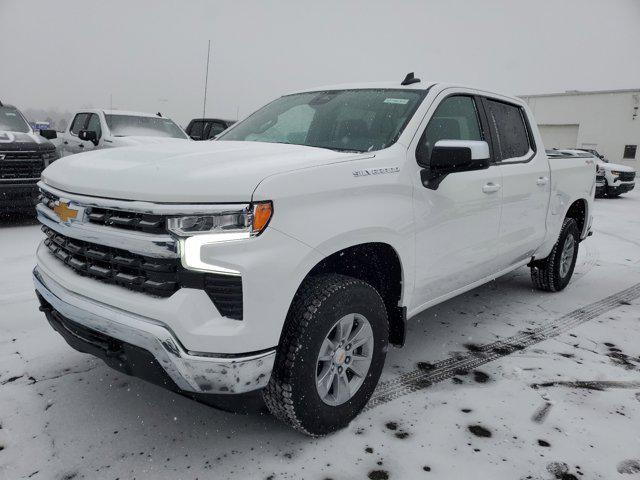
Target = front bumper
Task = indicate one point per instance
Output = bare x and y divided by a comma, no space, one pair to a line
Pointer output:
196,372
622,187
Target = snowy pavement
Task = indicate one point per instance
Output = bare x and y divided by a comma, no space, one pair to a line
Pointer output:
504,382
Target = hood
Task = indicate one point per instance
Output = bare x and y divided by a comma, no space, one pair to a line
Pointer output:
184,172
133,141
615,166
23,141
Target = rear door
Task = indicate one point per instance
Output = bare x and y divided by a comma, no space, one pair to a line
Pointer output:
457,223
526,182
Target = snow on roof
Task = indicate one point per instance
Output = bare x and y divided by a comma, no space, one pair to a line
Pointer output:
127,112
423,85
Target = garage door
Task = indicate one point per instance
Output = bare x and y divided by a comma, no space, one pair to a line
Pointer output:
559,136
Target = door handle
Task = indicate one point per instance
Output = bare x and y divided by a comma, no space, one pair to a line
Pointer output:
542,181
81,145
65,142
491,187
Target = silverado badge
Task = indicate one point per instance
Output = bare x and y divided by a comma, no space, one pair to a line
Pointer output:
64,212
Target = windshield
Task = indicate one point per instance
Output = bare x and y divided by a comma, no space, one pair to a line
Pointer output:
139,126
12,121
343,120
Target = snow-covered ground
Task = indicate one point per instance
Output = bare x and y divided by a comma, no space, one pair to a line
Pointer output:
504,382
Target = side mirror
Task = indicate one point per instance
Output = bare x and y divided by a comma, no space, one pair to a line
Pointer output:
88,136
49,134
451,156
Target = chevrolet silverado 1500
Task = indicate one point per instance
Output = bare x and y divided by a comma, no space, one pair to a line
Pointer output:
286,255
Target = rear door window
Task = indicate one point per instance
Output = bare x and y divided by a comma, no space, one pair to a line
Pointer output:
79,122
512,136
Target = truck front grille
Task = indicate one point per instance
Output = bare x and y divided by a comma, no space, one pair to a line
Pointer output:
20,165
627,176
142,222
154,276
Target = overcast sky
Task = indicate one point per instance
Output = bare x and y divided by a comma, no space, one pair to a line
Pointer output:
150,55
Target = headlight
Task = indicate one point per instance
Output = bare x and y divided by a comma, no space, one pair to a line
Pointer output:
197,231
227,225
615,173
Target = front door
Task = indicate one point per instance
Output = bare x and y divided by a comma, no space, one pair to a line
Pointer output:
457,223
71,143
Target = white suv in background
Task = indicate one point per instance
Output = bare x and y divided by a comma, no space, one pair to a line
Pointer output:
613,179
95,129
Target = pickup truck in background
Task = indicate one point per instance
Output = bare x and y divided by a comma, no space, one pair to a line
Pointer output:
288,254
23,156
207,128
95,129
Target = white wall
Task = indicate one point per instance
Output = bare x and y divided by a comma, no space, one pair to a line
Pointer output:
604,120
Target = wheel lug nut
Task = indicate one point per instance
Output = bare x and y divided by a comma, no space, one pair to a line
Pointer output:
349,347
347,360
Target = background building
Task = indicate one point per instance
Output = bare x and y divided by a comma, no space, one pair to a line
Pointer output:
607,121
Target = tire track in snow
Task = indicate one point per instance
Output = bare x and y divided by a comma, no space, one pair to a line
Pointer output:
421,378
592,255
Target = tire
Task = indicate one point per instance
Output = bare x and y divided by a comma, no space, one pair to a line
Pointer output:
321,303
550,274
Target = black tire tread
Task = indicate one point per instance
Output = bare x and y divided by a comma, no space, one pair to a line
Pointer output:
313,293
544,272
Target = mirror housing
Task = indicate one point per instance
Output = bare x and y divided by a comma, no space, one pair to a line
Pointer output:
451,156
88,136
49,134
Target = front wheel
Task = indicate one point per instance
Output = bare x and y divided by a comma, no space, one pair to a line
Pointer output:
331,353
554,272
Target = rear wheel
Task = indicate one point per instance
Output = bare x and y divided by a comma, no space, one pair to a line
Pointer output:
554,272
330,356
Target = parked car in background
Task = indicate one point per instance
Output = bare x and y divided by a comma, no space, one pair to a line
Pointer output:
23,156
207,128
94,129
615,179
289,253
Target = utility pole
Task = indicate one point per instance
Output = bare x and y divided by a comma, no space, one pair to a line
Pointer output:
206,81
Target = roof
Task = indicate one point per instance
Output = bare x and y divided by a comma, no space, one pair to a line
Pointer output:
123,112
423,85
579,92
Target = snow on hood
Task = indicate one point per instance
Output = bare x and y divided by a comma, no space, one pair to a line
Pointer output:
615,166
20,137
205,172
132,141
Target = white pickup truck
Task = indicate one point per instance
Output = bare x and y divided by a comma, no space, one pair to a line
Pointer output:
95,129
284,257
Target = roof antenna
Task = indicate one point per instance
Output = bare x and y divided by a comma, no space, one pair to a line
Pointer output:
410,79
1,104
159,114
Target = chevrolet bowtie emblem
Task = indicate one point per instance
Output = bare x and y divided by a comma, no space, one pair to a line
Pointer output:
64,212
